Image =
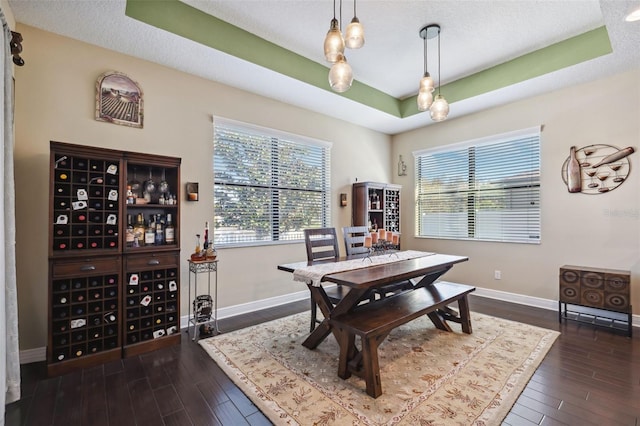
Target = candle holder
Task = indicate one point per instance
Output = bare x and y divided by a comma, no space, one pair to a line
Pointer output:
382,247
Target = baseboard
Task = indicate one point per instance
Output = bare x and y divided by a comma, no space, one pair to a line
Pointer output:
39,354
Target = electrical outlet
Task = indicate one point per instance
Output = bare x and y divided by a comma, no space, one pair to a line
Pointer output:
497,274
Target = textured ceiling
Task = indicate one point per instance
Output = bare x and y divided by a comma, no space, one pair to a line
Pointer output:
476,35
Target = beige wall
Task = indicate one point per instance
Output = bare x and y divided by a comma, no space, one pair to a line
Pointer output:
55,101
591,230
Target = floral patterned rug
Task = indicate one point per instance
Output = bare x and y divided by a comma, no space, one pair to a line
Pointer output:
429,377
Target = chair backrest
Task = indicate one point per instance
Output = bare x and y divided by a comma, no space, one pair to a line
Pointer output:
322,244
354,239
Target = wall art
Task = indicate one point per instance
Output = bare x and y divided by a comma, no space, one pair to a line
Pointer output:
119,100
596,169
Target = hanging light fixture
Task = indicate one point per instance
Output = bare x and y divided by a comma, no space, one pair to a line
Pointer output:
425,92
340,75
354,37
333,42
438,108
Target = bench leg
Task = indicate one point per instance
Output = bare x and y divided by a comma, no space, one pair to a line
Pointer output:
438,322
371,367
346,341
465,317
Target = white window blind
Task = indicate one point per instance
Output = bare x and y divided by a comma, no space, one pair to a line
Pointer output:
268,185
486,189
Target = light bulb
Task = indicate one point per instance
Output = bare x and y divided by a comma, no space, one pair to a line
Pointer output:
425,99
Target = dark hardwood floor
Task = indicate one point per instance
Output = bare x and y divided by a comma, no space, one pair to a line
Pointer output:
590,377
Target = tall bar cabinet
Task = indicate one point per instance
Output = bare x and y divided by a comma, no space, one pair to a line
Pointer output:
376,205
111,293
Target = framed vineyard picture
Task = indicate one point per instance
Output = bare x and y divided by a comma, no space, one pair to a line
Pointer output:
119,100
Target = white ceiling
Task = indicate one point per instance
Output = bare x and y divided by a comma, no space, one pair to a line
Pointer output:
476,34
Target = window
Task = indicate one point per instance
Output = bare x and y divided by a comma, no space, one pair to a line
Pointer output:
268,185
486,189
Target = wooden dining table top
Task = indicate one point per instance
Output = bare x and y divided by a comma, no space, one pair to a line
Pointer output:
378,275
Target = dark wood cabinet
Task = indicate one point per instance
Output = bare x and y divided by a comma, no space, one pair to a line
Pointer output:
376,205
606,292
91,260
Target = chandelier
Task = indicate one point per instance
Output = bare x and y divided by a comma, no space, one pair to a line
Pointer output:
438,107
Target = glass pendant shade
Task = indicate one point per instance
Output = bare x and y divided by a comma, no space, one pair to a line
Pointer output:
426,83
425,99
354,37
340,75
333,42
439,109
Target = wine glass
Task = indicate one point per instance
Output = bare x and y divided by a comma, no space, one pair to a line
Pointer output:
150,185
602,177
615,167
135,183
591,173
163,187
587,153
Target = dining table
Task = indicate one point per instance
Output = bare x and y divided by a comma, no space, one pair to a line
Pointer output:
361,275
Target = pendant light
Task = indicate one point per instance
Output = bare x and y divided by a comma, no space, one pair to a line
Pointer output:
354,37
438,107
333,42
340,75
425,92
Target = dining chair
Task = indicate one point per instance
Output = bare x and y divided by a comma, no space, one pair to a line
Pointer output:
322,245
354,239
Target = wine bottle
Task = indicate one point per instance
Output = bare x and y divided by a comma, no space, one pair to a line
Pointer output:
574,173
206,236
150,232
169,231
138,231
130,234
159,235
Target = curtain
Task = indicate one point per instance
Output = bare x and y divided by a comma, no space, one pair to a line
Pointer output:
9,349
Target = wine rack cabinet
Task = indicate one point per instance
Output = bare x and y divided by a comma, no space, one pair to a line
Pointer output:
91,261
605,292
151,302
376,205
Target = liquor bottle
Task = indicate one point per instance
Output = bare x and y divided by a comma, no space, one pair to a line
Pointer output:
159,237
574,174
138,230
169,231
150,232
130,234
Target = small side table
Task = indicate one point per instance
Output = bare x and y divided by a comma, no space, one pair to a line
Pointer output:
196,268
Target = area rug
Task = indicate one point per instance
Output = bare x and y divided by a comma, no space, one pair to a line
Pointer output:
429,376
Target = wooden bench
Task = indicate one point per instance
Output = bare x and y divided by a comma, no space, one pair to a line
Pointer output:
374,321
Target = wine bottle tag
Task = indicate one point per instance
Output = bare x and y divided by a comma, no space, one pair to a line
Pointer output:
82,194
77,205
77,323
172,330
62,219
112,169
133,279
113,195
145,300
173,286
112,219
159,333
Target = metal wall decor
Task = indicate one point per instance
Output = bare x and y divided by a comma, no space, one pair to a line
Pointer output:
596,169
119,100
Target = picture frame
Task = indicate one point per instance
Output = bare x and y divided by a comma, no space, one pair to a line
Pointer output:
119,100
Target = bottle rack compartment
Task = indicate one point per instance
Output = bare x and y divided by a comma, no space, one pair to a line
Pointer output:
392,208
85,203
151,305
84,316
